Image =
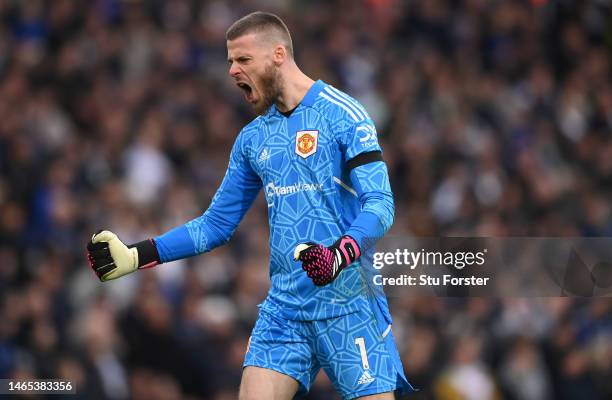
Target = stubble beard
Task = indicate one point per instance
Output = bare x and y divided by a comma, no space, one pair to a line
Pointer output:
271,89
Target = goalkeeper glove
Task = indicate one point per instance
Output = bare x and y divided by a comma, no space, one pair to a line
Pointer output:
323,264
111,259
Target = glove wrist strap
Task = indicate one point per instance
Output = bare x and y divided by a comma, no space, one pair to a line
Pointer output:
147,253
348,249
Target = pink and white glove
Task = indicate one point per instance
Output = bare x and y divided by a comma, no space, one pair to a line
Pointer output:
323,264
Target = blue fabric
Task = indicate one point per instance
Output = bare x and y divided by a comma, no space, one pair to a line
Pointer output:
300,162
301,348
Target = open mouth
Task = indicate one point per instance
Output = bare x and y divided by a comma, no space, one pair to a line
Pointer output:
248,91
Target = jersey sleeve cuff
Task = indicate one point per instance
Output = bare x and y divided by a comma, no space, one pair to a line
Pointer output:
365,230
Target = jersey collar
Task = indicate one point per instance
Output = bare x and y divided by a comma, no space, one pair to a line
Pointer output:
313,92
308,100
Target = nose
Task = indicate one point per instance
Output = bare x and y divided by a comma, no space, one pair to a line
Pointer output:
234,70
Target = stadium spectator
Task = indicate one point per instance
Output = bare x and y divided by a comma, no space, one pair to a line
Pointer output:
494,118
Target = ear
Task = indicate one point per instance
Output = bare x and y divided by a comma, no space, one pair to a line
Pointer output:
279,55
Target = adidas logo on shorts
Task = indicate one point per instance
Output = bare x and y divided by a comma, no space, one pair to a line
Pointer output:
365,378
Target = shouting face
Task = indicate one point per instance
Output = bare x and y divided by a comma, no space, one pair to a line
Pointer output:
252,66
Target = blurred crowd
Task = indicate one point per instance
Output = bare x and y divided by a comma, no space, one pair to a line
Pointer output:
495,118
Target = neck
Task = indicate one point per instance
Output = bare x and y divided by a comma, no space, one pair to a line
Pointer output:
295,86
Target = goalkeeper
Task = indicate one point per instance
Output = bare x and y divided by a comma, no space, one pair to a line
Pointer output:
314,151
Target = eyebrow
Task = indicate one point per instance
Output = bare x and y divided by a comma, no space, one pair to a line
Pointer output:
239,58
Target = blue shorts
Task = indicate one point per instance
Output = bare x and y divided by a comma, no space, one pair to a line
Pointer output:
357,351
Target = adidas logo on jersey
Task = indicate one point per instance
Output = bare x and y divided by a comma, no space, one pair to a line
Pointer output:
365,378
264,155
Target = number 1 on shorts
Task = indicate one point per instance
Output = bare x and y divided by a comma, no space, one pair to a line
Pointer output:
360,342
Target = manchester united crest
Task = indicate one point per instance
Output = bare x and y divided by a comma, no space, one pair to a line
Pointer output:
306,143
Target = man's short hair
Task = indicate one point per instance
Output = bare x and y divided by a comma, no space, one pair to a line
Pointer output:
260,21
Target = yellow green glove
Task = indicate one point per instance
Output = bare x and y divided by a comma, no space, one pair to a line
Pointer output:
110,258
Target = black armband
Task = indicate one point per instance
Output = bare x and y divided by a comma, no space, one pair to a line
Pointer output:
364,158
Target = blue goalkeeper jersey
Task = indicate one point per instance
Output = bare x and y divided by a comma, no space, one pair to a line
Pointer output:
323,177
